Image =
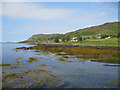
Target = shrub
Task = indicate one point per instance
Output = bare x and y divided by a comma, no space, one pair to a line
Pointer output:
79,38
104,36
56,40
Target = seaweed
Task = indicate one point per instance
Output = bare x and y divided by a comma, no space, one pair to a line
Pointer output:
19,58
54,66
43,65
86,53
115,81
64,60
5,65
112,65
32,59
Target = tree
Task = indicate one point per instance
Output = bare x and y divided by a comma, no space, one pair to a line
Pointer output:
118,35
57,40
79,38
63,39
88,37
66,38
104,36
84,39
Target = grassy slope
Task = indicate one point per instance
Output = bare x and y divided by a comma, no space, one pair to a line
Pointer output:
41,37
97,42
107,28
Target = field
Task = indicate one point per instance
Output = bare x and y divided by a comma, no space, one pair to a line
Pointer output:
97,42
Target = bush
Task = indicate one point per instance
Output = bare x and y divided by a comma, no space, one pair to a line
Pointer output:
56,40
104,36
84,39
66,38
79,38
118,35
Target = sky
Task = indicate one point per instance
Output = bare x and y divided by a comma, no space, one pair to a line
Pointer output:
21,20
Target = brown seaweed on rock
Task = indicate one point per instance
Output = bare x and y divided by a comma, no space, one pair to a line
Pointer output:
32,59
74,50
3,65
33,78
97,55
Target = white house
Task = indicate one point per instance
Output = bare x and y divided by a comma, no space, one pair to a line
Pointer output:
60,40
74,39
108,37
99,37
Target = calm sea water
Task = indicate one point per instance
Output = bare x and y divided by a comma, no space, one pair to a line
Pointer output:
47,71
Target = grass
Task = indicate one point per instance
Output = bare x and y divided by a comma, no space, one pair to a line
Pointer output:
96,42
91,42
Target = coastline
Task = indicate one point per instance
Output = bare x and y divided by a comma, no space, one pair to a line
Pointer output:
76,45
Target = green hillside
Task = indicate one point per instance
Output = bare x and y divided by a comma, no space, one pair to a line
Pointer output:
42,37
95,33
107,28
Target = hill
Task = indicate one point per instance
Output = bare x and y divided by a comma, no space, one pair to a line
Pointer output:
41,38
107,28
105,31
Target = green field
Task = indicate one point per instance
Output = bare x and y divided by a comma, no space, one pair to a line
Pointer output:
96,42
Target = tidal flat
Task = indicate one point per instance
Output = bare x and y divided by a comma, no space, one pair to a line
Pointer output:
37,66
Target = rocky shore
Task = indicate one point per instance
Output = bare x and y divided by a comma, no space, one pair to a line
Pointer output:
65,45
97,47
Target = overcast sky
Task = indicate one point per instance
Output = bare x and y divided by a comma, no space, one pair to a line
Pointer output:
22,20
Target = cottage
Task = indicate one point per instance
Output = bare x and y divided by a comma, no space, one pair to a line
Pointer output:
99,37
74,39
60,40
108,37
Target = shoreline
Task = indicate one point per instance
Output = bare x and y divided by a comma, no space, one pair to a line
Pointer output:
71,45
